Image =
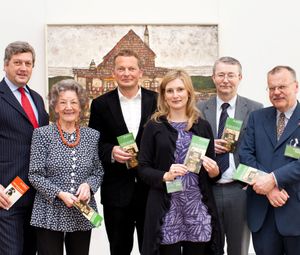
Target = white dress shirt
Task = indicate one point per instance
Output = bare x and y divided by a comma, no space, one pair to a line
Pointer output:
131,109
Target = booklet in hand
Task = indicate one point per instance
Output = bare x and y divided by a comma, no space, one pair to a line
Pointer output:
15,190
247,174
231,133
128,144
196,149
89,213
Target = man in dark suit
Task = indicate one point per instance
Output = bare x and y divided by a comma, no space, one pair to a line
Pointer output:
125,109
16,235
274,201
229,194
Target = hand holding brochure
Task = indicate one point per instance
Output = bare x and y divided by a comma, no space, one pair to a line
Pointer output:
15,190
89,213
128,144
247,174
196,149
231,133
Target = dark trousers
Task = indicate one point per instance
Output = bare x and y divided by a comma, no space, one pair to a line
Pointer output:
52,242
231,204
120,223
268,241
183,248
17,237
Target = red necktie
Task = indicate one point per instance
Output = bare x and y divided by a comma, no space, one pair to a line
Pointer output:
28,108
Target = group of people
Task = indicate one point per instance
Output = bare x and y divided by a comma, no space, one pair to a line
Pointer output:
174,211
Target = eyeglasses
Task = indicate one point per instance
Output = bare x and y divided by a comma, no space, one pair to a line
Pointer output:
230,76
280,88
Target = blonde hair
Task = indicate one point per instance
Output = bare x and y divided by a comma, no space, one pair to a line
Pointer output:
163,108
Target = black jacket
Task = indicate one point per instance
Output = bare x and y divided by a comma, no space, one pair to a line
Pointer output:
118,187
155,158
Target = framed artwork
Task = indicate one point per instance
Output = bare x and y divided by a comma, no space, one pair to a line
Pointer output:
85,53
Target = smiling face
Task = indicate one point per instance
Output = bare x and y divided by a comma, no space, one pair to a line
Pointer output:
19,68
127,72
176,95
67,107
283,90
226,78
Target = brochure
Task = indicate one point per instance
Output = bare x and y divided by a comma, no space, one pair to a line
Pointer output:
89,213
197,148
231,133
15,190
247,174
128,144
174,186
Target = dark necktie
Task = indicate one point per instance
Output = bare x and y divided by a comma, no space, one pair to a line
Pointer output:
280,125
28,108
223,159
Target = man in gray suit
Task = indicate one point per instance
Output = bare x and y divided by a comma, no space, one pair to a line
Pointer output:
229,194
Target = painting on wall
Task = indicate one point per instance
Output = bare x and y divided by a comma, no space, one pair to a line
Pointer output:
85,53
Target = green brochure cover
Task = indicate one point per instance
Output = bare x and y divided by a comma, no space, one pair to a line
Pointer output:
246,174
89,213
292,151
231,133
128,144
197,148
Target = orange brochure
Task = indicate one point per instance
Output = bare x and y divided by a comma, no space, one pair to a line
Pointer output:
15,190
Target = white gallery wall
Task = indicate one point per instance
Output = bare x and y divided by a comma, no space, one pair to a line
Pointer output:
261,34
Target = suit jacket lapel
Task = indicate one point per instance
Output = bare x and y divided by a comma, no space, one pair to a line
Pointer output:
241,109
211,114
146,110
270,125
10,98
291,126
116,111
39,105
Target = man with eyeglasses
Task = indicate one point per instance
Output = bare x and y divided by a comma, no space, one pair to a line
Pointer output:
229,195
274,199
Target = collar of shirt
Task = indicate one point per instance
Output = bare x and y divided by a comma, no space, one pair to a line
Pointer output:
230,110
17,94
124,99
13,87
287,114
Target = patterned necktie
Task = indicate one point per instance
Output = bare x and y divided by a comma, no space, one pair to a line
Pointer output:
223,159
280,125
28,108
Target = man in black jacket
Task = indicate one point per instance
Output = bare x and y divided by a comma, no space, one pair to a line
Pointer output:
123,110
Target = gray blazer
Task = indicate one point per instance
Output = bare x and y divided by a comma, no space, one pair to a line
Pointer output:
243,108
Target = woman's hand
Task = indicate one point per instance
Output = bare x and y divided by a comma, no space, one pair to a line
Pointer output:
84,192
174,171
210,166
67,198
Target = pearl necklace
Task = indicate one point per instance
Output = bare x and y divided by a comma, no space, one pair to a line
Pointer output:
65,142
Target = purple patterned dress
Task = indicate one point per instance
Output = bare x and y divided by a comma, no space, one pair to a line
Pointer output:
188,218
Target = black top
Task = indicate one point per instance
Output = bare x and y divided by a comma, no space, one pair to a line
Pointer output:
155,158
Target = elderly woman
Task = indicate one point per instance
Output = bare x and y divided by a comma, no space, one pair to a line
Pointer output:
64,168
185,221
